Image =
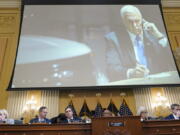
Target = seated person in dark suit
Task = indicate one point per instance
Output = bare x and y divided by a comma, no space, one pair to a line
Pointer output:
107,113
175,108
70,118
143,113
58,119
138,50
42,116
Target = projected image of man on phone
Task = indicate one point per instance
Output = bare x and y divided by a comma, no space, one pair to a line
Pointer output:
142,48
93,45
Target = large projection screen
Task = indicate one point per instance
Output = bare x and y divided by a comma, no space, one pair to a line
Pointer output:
93,45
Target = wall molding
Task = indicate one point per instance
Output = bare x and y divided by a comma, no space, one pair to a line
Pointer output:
170,3
17,3
10,3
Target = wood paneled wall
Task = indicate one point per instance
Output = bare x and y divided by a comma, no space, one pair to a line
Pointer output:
9,29
172,20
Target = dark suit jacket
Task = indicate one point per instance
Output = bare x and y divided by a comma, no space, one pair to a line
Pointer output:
121,55
36,120
75,119
170,117
59,119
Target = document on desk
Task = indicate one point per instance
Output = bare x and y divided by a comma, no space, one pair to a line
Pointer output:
166,77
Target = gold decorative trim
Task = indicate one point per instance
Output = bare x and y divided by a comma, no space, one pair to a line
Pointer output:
173,19
177,57
10,3
170,3
17,3
7,21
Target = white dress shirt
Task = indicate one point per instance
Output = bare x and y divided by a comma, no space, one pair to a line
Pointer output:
175,117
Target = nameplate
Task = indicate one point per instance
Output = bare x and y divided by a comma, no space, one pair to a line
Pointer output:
116,124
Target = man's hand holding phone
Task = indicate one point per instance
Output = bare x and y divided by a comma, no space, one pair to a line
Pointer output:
152,29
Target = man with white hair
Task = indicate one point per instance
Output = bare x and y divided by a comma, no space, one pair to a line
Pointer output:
143,113
139,47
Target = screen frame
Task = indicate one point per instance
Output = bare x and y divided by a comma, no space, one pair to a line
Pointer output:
86,2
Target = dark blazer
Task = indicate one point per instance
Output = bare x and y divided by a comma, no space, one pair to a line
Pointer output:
59,119
121,55
75,119
170,117
36,120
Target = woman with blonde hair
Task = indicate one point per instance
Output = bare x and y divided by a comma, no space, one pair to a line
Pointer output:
4,117
143,113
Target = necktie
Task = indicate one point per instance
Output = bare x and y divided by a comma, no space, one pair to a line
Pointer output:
139,47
